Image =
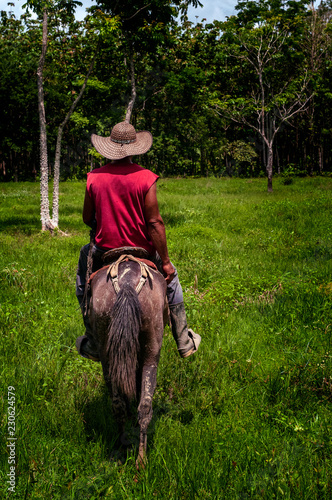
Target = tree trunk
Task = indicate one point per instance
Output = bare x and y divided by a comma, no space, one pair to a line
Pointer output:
15,167
133,91
320,153
44,203
56,179
55,206
269,168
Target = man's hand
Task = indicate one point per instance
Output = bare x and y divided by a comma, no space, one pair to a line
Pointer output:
169,272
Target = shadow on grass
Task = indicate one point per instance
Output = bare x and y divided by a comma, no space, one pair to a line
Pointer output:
174,220
20,223
100,424
31,224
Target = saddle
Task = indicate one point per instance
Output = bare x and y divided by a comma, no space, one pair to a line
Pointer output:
112,258
113,254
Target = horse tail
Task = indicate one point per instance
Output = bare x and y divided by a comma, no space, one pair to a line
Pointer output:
123,341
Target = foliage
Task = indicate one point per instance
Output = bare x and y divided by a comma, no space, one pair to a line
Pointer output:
189,77
249,415
243,157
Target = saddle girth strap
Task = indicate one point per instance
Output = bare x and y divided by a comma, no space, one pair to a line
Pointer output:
113,272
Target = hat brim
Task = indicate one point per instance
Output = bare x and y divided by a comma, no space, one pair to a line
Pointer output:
114,151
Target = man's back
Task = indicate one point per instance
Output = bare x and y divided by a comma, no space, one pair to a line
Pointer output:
117,194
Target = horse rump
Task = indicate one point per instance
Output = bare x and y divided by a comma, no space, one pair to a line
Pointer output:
123,341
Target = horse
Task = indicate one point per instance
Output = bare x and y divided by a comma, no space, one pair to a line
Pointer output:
128,311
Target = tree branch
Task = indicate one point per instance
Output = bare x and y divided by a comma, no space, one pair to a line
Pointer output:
139,10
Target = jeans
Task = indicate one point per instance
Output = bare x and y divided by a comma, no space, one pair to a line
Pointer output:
174,289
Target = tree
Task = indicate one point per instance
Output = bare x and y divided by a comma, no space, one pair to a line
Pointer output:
196,87
18,98
315,44
272,97
64,10
144,26
44,201
186,130
56,179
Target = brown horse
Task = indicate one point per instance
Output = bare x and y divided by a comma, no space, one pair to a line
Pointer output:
128,311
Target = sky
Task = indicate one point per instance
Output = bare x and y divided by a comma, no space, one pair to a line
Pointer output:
211,10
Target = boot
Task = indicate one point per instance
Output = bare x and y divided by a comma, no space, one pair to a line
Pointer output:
87,348
85,344
186,340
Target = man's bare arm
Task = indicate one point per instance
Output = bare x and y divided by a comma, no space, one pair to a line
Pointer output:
156,228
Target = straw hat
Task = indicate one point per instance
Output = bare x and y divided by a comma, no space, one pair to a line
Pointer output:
124,141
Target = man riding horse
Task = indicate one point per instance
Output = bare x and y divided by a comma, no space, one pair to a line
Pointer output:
121,200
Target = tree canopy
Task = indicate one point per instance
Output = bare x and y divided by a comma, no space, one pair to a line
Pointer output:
212,95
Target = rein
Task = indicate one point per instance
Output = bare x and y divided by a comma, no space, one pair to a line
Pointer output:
89,270
113,272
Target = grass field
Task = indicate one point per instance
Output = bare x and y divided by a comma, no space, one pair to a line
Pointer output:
249,416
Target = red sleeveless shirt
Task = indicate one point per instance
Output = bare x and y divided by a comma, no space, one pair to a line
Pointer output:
117,193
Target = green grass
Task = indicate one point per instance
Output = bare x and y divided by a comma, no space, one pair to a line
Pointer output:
249,416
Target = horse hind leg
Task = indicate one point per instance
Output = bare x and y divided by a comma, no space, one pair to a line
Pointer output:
149,379
119,410
120,407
